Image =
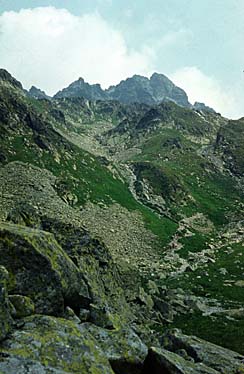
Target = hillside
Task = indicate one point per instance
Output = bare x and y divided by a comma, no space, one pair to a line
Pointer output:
121,221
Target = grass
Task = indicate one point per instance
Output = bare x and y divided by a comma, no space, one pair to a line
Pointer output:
90,181
220,331
211,282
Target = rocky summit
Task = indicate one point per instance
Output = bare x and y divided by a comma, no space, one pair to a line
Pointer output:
121,231
137,89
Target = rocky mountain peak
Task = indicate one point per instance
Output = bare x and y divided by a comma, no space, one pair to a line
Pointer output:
136,89
203,107
80,88
37,93
7,77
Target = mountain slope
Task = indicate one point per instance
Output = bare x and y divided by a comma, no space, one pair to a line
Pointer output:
140,208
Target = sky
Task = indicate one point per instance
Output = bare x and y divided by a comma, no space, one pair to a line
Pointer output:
199,44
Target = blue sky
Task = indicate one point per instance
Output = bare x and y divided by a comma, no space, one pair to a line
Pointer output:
199,44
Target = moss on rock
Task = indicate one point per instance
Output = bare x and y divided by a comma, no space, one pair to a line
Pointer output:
5,309
123,348
23,305
40,269
55,345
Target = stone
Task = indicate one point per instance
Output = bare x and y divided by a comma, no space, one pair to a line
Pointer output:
161,361
40,269
52,345
164,308
239,283
23,305
218,358
84,315
5,308
122,347
70,315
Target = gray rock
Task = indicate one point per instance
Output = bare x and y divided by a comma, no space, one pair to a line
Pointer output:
122,347
52,345
37,93
161,361
40,269
5,308
23,305
218,358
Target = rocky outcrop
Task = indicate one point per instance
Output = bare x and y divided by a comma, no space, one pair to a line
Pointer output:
40,269
202,107
198,350
80,88
122,347
50,345
162,361
137,89
229,146
5,308
164,89
36,93
5,76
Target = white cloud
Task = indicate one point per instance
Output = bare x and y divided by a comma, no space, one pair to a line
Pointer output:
180,37
210,91
50,48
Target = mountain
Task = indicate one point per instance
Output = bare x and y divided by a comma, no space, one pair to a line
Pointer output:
37,93
137,89
149,91
80,88
6,77
203,107
121,236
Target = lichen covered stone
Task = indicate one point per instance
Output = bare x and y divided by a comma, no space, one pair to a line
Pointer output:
23,305
52,345
123,348
40,269
5,308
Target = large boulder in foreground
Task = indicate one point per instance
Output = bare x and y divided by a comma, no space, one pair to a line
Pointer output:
52,345
40,269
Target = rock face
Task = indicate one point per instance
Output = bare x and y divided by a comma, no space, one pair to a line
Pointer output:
5,309
40,269
123,348
36,93
137,89
149,91
51,345
80,88
203,107
220,359
5,76
230,145
162,361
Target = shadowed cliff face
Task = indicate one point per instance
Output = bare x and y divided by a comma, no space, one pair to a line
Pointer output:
119,222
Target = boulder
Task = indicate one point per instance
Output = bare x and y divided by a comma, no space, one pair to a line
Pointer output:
23,305
218,358
5,310
122,347
40,269
52,345
161,361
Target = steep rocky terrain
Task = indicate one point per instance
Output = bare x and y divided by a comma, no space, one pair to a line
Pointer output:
121,232
137,89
